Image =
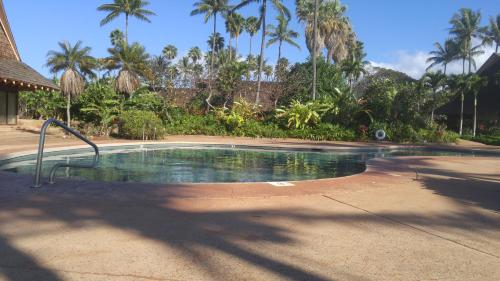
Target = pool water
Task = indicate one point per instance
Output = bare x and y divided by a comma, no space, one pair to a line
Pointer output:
208,164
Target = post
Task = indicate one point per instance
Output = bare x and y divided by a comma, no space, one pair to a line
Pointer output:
315,46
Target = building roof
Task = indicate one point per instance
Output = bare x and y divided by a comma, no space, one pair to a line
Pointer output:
492,65
13,72
21,75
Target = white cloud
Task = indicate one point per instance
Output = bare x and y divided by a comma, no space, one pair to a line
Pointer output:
414,63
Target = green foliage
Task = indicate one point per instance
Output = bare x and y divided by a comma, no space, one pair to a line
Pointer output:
299,115
230,75
298,84
99,106
140,124
42,105
379,99
486,139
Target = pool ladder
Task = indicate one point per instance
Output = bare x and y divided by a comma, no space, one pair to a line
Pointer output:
41,145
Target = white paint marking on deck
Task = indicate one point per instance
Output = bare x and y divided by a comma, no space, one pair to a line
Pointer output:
395,175
281,183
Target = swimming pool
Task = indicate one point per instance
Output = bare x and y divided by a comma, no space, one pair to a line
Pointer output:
174,163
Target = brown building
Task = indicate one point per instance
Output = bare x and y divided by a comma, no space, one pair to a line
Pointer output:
15,75
488,99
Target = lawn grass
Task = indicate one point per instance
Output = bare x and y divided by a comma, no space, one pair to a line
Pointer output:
490,140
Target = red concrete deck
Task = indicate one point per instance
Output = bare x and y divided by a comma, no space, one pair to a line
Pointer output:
383,224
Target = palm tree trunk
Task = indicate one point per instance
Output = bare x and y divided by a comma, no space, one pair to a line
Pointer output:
68,110
279,51
461,114
262,50
126,29
315,46
463,66
475,116
250,53
496,50
210,71
236,47
470,64
445,65
230,47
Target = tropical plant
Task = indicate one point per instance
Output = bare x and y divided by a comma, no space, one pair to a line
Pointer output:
211,8
493,33
194,54
283,10
130,8
117,37
459,85
354,65
475,83
466,27
443,54
252,25
299,115
75,62
100,105
436,83
234,25
230,75
132,62
170,52
281,33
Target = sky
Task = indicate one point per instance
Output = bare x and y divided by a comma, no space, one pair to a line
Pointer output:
397,34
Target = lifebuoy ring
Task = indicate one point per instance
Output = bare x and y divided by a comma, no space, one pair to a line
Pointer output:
380,135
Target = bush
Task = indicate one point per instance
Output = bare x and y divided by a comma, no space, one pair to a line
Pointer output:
299,115
140,124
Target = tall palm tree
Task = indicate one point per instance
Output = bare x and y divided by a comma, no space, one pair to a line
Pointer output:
251,27
443,54
493,32
75,62
459,84
465,26
475,83
435,82
132,62
170,52
211,8
354,65
117,37
234,25
283,10
131,8
281,33
194,54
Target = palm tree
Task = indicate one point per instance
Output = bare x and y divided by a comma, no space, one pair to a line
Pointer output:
475,83
465,26
116,36
234,25
443,54
459,84
194,54
131,8
281,33
251,27
354,65
76,63
170,52
132,62
211,8
283,10
435,82
493,32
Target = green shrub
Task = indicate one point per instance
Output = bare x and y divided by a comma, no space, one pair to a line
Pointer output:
140,124
299,115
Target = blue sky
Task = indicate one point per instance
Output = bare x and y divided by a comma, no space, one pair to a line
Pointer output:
397,34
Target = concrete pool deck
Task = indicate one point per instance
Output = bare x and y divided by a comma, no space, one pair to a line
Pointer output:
383,224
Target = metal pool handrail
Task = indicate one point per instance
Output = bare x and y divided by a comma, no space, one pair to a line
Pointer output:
41,144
